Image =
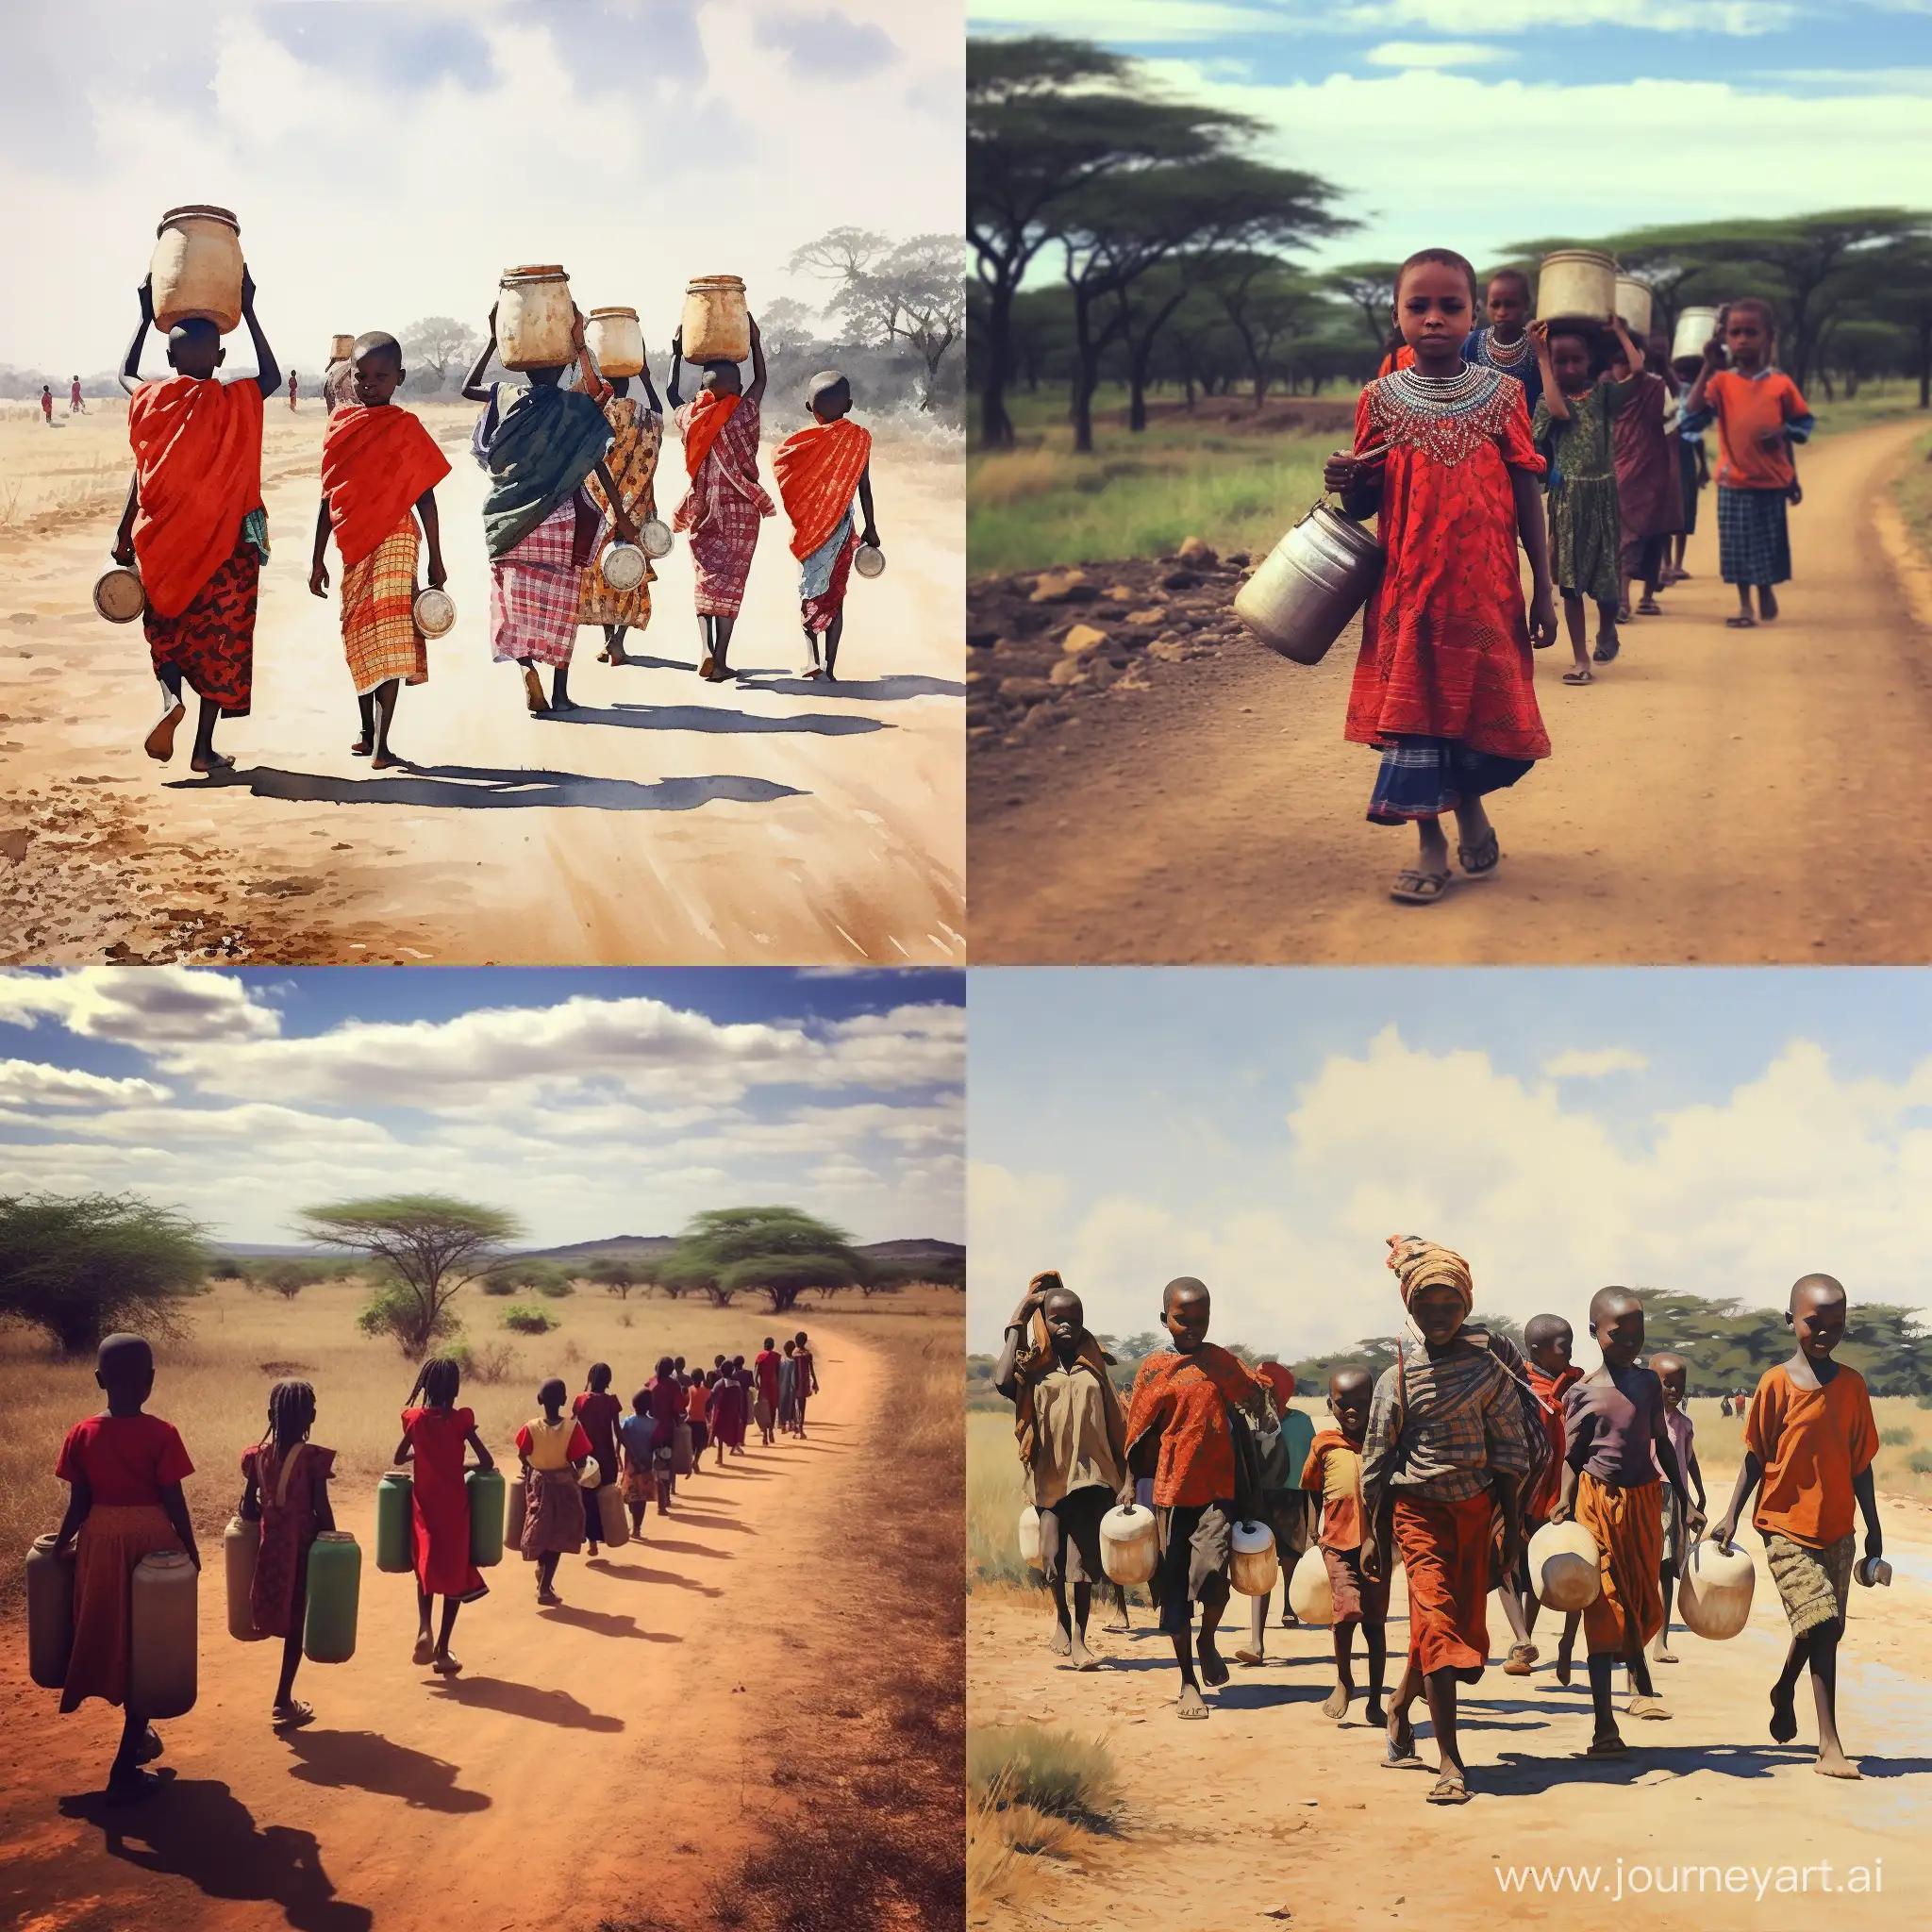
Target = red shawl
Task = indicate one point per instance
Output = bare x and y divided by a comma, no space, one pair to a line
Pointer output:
197,458
709,412
375,462
818,471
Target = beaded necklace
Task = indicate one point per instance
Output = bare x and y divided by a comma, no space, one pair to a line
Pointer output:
1504,355
1450,417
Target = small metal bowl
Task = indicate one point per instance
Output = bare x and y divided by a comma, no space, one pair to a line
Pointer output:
623,566
870,560
117,595
435,612
654,537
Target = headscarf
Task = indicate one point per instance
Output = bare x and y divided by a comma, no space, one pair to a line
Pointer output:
1033,1358
1281,1380
1419,1264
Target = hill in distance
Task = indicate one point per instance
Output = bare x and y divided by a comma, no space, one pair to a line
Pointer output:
627,1247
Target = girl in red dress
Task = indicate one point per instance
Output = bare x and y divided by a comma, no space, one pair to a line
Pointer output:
1444,687
434,1437
286,1489
600,1412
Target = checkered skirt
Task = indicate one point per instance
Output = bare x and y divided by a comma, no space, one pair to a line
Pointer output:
533,594
1753,542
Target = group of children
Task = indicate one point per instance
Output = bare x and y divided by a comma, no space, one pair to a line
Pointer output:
124,1469
571,471
76,403
1583,450
1448,1462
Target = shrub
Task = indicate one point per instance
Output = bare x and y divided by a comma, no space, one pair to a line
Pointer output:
395,1309
1058,1773
526,1320
1896,1439
500,1282
491,1364
555,1285
1926,1399
1919,1463
226,1268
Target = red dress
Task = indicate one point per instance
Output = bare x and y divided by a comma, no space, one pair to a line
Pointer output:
290,1519
600,1414
1446,648
439,1518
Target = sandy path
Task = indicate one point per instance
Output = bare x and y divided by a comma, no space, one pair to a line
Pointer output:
601,1758
1716,797
1269,1805
663,821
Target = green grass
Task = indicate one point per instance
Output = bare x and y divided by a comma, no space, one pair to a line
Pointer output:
1913,492
1137,494
1877,402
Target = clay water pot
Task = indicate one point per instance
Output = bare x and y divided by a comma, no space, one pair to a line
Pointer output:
1255,1568
716,322
615,340
1714,1592
1563,1566
1309,1594
196,268
1129,1545
534,318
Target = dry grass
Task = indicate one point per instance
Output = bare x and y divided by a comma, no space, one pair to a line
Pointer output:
1905,1431
212,1383
993,1501
1913,492
1031,1795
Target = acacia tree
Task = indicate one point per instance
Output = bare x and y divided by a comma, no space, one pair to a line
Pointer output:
430,1247
79,1266
439,342
1370,285
615,1277
911,293
776,1252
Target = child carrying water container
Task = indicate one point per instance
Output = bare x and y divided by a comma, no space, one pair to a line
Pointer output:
123,1470
554,1449
1444,685
285,1489
1809,1438
1548,1342
598,1410
1760,415
1673,1372
434,1438
1333,1469
379,472
825,474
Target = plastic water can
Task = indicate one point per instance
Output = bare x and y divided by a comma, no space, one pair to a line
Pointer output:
240,1547
1129,1545
49,1613
164,1651
1256,1567
335,1589
485,1489
1714,1592
395,1539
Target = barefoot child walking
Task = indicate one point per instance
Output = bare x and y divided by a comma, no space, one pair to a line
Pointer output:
1760,415
821,470
123,1470
379,472
1072,1446
285,1489
434,1438
1547,1341
598,1410
1673,1372
1616,1440
766,1368
1444,685
1649,504
1334,1469
194,523
1181,1430
808,1379
1443,1459
553,1448
1809,1438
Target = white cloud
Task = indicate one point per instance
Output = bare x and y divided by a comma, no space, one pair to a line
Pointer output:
1142,22
30,1083
1593,1064
157,1006
1407,53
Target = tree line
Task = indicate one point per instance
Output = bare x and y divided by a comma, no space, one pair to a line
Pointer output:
1175,251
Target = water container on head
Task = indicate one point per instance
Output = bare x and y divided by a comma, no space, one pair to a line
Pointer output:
716,322
534,318
196,268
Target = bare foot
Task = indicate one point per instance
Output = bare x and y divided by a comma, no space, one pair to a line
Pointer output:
1189,1702
1837,1765
1663,1657
1766,608
1084,1658
1061,1642
1214,1671
1376,1713
1117,1624
1335,1704
130,1785
361,748
159,743
1563,1666
384,761
1784,1715
548,1600
424,1649
533,691
444,1665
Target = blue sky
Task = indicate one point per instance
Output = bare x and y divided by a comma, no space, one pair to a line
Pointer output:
1719,1131
1483,122
591,1103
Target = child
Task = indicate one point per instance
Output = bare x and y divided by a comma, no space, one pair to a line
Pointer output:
1073,1447
722,1409
636,1436
787,1388
379,472
1548,1340
667,1413
1506,344
434,1438
598,1410
539,525
194,523
1672,1371
1281,1445
1179,1421
552,1449
1694,468
819,469
725,502
807,1379
286,1490
123,1470
76,403
767,1368
1615,1442
293,387
1334,1469
47,405
339,384
1760,415
636,435
1809,1438
697,1408
1443,1456
1576,429
1648,492
1444,685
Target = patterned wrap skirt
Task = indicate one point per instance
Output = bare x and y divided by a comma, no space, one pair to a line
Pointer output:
380,634
1424,778
1813,1584
212,642
825,574
1754,539
552,1514
533,594
1587,538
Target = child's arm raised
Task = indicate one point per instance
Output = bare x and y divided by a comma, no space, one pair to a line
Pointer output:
318,567
1552,399
1532,528
756,394
432,535
594,386
268,375
130,366
175,1504
652,401
474,388
677,368
1633,350
870,533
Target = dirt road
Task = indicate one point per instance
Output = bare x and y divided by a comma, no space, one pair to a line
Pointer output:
663,820
614,1757
1715,796
1269,1812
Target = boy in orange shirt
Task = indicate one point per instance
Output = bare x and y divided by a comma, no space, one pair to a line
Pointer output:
1179,1422
1809,1438
1334,1468
1759,413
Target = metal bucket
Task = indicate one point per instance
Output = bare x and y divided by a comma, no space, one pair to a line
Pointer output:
1577,285
1310,585
1633,305
623,566
654,538
1696,328
435,612
869,561
118,595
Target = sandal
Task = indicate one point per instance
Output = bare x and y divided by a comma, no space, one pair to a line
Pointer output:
1398,1752
1580,673
1607,1747
446,1666
1412,888
292,1715
1521,1662
1740,624
1479,860
1449,1789
1650,608
1605,653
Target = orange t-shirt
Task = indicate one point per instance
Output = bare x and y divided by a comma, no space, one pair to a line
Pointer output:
694,1400
1335,1469
1812,1443
1745,407
1184,1398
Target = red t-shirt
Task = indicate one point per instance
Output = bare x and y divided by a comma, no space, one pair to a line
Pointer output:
1184,1398
767,1367
125,1460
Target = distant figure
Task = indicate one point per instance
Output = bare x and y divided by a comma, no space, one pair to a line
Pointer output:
294,389
339,384
47,405
76,403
